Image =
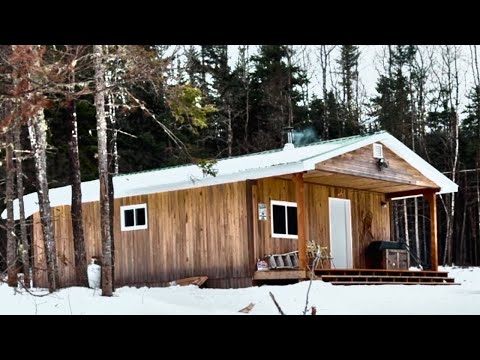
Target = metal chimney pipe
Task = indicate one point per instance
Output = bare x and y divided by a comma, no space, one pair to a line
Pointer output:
289,143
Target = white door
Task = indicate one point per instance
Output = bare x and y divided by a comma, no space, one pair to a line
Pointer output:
341,233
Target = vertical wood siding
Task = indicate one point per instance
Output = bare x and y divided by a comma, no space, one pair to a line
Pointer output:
190,232
364,206
204,231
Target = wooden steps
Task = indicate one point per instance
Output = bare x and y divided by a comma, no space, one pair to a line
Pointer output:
383,277
358,276
348,283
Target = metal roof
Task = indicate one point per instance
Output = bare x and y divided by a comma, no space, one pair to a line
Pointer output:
253,166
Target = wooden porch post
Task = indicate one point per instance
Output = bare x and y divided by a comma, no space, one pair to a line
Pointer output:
432,203
250,214
302,241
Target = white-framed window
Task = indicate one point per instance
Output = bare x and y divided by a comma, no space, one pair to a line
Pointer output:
133,217
284,219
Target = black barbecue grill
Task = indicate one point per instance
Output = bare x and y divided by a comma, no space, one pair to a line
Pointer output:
375,252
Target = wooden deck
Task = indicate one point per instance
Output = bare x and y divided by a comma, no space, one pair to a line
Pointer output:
280,274
360,276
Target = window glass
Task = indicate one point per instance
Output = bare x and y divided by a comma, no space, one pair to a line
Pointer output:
279,221
140,216
292,220
129,219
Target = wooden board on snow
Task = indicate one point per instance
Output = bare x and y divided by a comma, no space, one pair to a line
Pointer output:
195,280
247,308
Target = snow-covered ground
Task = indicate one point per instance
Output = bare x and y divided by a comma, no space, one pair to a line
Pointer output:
328,299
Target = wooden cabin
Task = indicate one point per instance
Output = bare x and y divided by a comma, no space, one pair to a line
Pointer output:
179,222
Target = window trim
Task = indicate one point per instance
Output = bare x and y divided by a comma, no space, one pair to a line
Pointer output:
133,207
285,204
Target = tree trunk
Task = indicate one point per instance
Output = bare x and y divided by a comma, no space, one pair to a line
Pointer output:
424,233
112,141
11,237
475,237
111,199
478,200
23,226
357,105
397,221
447,255
76,208
111,78
288,52
229,132
405,222
446,207
247,116
112,170
453,200
454,103
417,236
107,284
38,140
324,63
461,251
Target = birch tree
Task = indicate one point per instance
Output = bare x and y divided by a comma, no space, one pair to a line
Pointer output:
29,76
448,80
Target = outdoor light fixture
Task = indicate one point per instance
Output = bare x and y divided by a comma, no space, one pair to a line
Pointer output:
382,163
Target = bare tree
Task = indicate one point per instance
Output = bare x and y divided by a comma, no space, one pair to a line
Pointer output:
305,63
25,248
9,194
75,173
450,58
476,73
324,52
38,140
244,66
29,75
107,284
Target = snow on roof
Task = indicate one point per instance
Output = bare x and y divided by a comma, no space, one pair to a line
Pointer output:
254,166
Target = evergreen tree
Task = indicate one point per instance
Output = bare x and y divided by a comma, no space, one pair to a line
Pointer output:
275,96
327,114
470,130
348,63
393,105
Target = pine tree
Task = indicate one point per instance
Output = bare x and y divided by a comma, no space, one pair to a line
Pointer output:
274,95
393,105
348,63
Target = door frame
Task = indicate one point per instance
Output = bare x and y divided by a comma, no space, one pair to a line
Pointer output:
349,248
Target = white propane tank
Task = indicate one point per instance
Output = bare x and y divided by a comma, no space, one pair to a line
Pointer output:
94,274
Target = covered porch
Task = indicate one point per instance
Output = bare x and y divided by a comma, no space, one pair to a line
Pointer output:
362,187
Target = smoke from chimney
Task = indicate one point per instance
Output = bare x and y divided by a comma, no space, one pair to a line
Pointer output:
305,136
